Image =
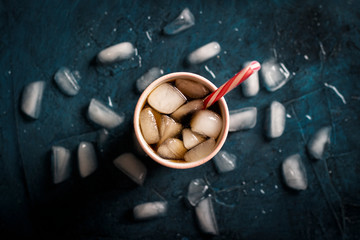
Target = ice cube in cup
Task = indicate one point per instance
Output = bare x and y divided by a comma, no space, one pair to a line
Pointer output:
166,98
206,122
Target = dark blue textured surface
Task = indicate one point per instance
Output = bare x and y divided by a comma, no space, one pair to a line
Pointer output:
38,37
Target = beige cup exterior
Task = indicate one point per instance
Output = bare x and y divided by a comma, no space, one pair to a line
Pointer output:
142,101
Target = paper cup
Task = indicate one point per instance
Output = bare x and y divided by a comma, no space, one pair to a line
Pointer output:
176,163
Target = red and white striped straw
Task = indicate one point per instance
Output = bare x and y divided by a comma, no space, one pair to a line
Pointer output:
241,76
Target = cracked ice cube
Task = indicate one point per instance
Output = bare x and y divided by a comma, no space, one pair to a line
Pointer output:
166,98
206,217
294,172
103,116
274,74
60,164
197,191
191,89
184,21
318,142
200,151
242,119
32,98
204,53
250,87
150,210
132,167
148,78
87,159
172,148
149,124
187,109
66,81
191,139
224,161
206,122
115,53
276,117
168,128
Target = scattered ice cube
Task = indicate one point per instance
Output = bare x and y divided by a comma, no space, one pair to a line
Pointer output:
187,109
132,167
197,191
204,53
67,81
242,119
206,217
191,89
225,161
166,98
200,151
150,210
32,98
148,78
172,148
115,53
60,164
206,122
100,114
250,87
294,172
184,21
275,122
103,136
87,159
149,124
168,128
191,139
317,144
275,75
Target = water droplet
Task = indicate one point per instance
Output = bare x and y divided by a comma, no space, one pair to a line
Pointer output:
201,12
276,186
220,22
306,57
263,211
243,183
149,17
236,29
262,191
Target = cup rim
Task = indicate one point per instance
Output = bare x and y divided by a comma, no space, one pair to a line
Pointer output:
149,151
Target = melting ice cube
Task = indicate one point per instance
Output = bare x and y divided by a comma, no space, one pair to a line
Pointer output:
60,163
184,21
149,124
168,128
200,151
191,89
187,109
102,115
242,119
148,78
172,148
276,117
32,98
115,53
132,167
294,172
275,75
250,87
87,159
224,161
204,53
197,191
318,142
166,98
206,217
150,210
191,139
66,81
206,122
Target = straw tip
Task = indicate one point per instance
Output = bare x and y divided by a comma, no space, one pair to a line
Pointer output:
255,65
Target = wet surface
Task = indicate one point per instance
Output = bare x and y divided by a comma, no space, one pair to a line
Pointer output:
318,42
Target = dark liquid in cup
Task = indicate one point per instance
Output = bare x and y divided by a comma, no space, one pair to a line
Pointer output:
174,123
